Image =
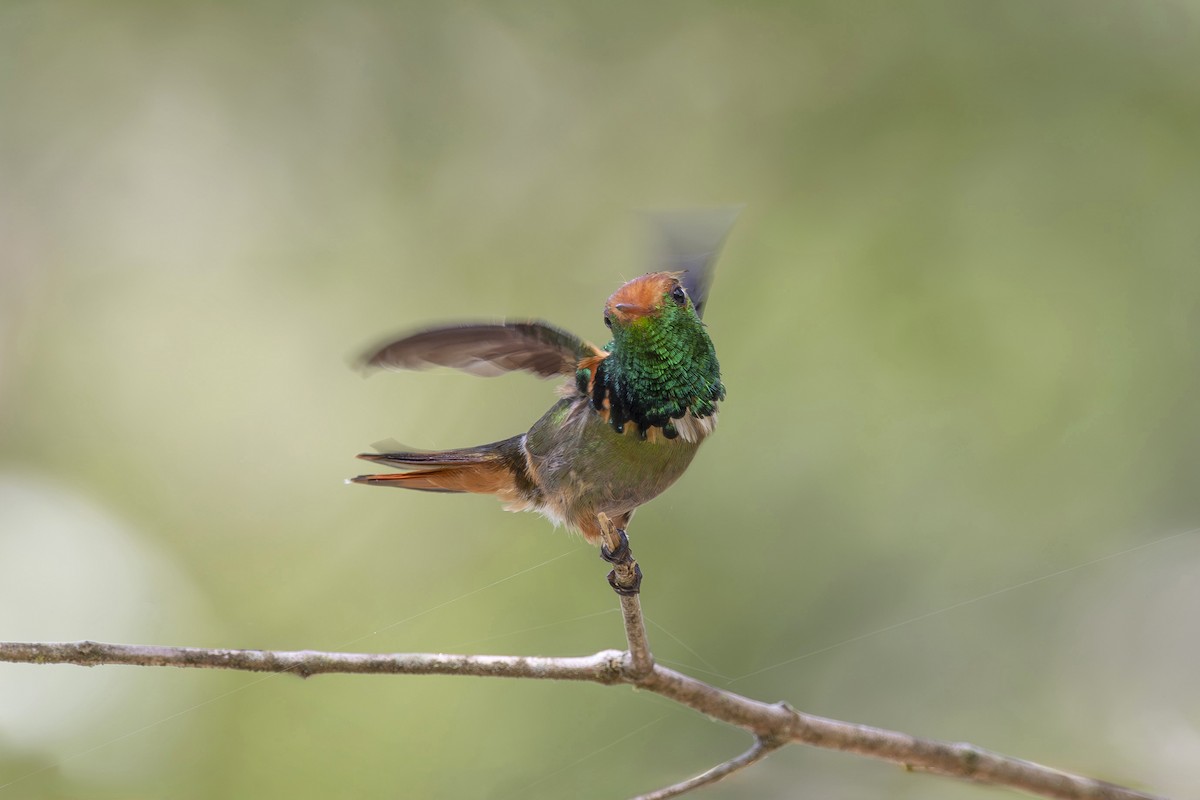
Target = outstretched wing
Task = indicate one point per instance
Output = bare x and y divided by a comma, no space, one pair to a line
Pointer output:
487,349
689,242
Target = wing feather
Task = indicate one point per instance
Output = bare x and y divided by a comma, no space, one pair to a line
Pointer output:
689,242
487,349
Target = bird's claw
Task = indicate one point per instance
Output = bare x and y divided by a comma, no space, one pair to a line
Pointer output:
621,553
628,591
628,582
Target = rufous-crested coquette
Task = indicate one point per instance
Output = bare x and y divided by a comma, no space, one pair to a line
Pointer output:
632,414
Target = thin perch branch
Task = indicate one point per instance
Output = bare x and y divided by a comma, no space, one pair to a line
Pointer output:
773,725
774,722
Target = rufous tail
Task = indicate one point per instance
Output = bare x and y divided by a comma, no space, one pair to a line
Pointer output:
498,468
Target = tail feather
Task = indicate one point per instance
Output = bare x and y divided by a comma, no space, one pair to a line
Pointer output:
483,454
476,479
498,469
407,480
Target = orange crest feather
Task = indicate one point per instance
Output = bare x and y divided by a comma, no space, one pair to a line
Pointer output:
641,296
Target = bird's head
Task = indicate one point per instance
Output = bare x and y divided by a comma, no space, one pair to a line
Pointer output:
661,363
654,300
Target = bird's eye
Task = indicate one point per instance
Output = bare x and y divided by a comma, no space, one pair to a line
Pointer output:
679,296
607,321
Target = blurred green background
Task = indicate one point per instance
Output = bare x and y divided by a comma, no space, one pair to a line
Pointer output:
955,478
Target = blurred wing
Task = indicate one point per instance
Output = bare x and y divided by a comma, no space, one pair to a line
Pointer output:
487,349
689,242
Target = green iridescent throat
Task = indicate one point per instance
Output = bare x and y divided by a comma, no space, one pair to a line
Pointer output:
660,368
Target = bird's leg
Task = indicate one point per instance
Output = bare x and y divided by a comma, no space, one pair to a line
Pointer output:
626,576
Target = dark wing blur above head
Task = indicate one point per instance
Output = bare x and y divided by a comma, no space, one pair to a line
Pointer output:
689,242
486,349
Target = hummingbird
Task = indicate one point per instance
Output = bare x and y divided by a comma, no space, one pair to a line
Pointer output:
631,414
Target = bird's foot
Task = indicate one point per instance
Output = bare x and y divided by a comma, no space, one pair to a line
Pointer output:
628,591
618,555
626,576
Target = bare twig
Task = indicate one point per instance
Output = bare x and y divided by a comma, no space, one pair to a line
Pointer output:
761,749
604,667
773,722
